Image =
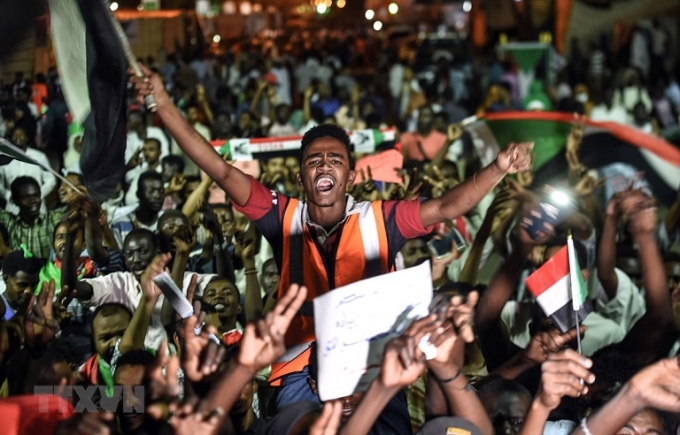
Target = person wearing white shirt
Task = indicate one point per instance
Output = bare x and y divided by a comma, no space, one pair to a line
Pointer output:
14,169
124,287
151,153
138,132
190,167
609,111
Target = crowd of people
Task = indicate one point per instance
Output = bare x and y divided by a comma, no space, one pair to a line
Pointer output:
81,306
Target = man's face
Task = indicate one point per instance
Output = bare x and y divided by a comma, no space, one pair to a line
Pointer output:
59,242
223,296
282,114
19,288
171,227
138,253
645,422
507,411
415,252
192,115
293,164
107,330
65,192
134,120
325,172
151,151
672,274
28,200
275,165
222,126
425,120
244,122
169,171
152,194
349,403
19,138
270,277
225,218
130,376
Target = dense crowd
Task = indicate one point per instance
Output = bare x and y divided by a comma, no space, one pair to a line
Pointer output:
81,305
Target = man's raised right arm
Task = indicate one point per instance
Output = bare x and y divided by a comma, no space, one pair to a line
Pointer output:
234,182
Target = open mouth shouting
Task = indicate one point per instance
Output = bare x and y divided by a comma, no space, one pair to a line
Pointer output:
324,183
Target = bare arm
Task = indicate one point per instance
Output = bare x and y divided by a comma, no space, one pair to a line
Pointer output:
195,200
253,304
606,258
234,182
463,197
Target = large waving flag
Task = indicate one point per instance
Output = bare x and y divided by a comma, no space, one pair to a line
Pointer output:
551,287
603,143
92,67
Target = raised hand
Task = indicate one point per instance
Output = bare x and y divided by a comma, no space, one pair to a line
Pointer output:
40,326
185,240
403,361
177,183
561,375
149,84
516,157
190,419
163,384
545,343
367,189
60,306
201,355
155,268
262,341
408,189
587,185
245,246
658,385
329,420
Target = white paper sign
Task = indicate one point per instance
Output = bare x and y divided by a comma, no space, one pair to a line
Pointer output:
354,323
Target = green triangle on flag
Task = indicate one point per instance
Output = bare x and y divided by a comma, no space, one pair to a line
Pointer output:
579,288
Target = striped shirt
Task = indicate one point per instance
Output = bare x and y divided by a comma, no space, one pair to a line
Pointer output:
37,237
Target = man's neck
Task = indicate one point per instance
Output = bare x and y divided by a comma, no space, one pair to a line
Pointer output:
152,166
146,216
29,220
228,323
248,419
327,217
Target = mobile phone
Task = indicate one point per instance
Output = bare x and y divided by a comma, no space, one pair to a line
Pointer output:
442,247
553,209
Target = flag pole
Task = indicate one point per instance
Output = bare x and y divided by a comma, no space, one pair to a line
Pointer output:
149,100
570,247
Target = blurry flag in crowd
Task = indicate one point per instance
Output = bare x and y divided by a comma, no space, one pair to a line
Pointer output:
550,285
92,67
608,147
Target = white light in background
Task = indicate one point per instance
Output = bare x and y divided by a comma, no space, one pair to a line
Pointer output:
140,7
377,25
113,6
257,7
341,3
393,8
369,14
229,7
321,8
467,6
217,39
245,8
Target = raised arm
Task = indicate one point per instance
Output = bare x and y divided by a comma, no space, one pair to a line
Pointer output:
463,197
606,258
234,182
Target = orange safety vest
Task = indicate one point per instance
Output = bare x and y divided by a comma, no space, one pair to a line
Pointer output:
362,252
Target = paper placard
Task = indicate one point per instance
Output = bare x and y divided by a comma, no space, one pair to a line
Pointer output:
382,166
354,323
177,299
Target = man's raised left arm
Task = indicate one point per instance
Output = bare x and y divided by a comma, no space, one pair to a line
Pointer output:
464,196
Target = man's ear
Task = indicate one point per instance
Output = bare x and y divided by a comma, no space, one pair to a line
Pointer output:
239,309
5,277
312,385
350,178
299,179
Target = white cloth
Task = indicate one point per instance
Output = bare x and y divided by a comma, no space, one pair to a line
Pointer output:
283,90
15,168
123,287
614,114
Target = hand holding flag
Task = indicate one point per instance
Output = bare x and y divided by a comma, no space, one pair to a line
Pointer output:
560,376
546,343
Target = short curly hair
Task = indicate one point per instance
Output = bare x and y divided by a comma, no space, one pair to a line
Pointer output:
327,130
